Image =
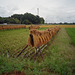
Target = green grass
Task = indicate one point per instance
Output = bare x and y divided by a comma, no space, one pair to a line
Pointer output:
9,65
71,33
43,28
12,40
58,58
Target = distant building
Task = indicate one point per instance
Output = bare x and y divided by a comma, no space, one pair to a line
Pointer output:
5,23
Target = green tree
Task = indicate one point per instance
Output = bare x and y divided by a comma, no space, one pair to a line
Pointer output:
27,22
41,20
26,18
18,16
1,20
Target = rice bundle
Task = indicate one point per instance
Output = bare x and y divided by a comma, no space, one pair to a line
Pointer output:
38,38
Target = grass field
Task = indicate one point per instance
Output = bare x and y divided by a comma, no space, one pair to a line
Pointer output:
71,33
11,40
58,58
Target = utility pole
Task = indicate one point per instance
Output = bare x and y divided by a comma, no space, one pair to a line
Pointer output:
38,11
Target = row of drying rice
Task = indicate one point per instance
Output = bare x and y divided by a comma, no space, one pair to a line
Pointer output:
38,38
11,27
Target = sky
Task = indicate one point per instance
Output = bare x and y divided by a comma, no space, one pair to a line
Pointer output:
51,10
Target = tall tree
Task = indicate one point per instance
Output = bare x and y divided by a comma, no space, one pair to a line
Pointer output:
1,20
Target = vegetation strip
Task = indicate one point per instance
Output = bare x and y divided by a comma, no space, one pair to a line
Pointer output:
71,33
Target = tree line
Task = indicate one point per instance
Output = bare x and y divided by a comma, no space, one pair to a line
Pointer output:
65,23
26,18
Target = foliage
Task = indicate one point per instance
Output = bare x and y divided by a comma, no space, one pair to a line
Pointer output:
1,20
29,18
18,16
26,22
71,33
26,18
9,20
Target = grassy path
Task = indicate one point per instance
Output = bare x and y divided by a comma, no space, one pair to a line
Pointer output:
71,33
60,56
64,43
62,53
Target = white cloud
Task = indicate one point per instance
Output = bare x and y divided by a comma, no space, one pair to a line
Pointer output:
51,10
5,11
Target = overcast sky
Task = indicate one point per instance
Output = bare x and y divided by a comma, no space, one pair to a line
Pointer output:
50,10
